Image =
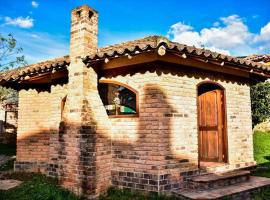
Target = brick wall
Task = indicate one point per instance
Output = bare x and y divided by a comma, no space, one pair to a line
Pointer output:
163,140
84,161
38,123
151,152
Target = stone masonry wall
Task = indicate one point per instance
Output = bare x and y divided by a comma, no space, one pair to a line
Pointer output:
163,140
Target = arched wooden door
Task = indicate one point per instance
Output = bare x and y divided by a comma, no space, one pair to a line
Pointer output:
211,119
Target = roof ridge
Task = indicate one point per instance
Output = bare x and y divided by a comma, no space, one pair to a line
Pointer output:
38,63
147,37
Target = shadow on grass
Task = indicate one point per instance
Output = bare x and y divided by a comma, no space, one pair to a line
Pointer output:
263,169
36,186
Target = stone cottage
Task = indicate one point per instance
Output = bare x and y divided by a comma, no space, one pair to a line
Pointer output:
146,114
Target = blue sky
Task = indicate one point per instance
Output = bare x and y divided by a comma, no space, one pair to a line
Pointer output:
233,27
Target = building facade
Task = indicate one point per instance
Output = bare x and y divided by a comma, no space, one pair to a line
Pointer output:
142,114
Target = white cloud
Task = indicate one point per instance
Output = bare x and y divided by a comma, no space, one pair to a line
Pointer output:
39,46
33,35
34,4
255,16
216,24
264,34
229,35
263,39
22,22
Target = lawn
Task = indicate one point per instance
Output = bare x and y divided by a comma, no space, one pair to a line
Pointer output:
261,142
40,187
126,194
36,187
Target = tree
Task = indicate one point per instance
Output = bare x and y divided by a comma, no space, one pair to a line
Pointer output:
10,54
260,102
10,57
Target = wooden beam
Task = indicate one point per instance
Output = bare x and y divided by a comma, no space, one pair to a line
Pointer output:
176,59
185,60
126,61
45,77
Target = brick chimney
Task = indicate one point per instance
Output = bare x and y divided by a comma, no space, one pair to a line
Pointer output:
84,30
85,136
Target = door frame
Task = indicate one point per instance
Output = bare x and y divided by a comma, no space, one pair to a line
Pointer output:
225,134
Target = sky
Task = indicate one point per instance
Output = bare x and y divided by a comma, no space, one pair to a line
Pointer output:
233,27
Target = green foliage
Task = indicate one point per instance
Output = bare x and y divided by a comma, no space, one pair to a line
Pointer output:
10,54
260,102
8,149
37,187
8,95
10,57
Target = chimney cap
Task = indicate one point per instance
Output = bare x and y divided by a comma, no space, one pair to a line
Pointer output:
84,7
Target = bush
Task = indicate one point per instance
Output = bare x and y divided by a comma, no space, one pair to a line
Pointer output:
260,102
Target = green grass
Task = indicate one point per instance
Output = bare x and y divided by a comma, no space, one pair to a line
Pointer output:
263,194
40,187
127,194
8,149
261,142
261,147
36,187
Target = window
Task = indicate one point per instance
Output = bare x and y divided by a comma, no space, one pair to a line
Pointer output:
118,99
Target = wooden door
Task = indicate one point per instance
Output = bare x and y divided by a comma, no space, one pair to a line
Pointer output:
211,126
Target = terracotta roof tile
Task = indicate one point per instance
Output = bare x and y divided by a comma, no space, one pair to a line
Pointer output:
264,58
134,47
48,65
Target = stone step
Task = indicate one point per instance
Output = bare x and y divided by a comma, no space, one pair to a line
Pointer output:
243,191
211,181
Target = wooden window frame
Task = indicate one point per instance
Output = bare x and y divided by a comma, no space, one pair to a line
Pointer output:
131,89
